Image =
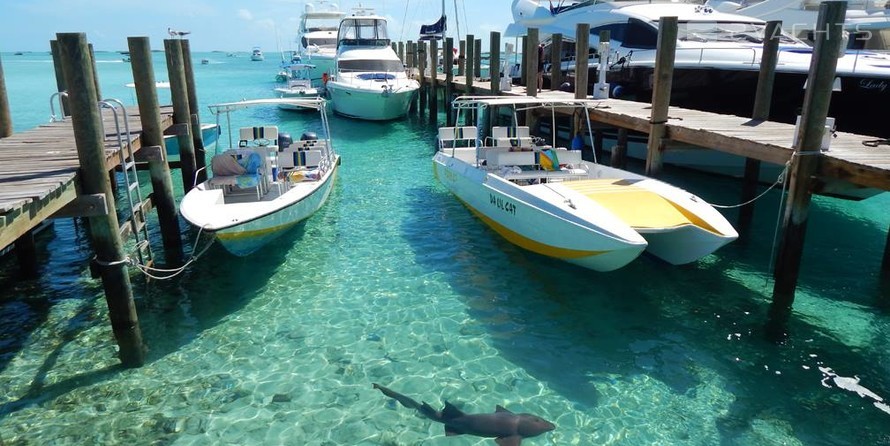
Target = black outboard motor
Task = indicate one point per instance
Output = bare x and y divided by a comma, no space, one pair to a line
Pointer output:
284,140
308,136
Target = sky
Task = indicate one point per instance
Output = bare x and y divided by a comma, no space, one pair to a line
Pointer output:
224,25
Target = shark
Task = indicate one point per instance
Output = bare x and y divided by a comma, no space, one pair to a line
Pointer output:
507,428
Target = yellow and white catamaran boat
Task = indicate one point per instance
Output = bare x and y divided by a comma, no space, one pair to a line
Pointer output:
263,185
546,199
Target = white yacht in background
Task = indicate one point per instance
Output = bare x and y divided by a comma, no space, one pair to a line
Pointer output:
257,55
867,21
717,60
370,81
317,37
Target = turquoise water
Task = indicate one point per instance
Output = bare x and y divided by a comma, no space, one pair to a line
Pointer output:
395,282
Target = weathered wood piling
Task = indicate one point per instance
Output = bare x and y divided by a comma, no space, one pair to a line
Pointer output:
181,112
104,230
661,92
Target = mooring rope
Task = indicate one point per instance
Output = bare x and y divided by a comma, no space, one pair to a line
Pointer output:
173,272
779,179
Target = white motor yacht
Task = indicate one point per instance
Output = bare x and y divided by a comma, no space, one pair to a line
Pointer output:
370,81
317,37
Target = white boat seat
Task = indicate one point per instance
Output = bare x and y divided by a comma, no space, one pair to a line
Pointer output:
457,137
307,144
510,137
508,158
258,136
291,159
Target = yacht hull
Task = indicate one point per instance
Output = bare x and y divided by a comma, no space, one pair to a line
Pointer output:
370,102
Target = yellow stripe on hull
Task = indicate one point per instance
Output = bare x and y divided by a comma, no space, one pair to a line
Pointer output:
532,245
241,235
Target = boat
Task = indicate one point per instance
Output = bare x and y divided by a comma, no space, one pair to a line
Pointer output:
299,85
867,21
257,55
264,184
205,61
370,81
317,37
284,71
547,200
717,60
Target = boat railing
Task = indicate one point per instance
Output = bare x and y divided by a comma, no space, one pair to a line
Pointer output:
57,96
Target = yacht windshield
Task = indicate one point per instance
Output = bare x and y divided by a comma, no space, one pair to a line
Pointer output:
321,24
372,65
363,32
737,32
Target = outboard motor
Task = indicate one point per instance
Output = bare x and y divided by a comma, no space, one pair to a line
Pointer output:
308,136
284,140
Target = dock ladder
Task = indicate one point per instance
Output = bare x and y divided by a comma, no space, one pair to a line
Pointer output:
137,222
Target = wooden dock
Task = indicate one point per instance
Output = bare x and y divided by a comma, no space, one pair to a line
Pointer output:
39,169
848,159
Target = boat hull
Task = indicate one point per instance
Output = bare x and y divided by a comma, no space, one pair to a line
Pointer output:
369,102
250,235
535,225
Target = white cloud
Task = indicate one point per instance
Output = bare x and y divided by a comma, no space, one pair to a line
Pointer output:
245,14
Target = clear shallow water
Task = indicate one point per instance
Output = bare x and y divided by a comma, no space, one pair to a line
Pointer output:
394,282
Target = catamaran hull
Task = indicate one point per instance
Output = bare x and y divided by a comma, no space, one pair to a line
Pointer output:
536,225
246,238
371,104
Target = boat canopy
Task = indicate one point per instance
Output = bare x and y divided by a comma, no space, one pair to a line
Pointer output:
228,107
434,31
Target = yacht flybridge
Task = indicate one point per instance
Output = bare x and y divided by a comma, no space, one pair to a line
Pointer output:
317,37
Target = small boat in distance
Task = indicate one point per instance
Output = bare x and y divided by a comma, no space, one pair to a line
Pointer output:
257,55
264,184
370,81
299,85
546,199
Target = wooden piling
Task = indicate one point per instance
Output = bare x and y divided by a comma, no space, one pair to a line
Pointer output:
153,135
60,76
477,57
401,51
421,69
95,73
531,69
104,230
582,59
449,79
661,92
556,61
494,61
470,67
181,112
26,254
194,112
5,114
523,62
805,163
409,54
619,151
462,58
434,92
762,104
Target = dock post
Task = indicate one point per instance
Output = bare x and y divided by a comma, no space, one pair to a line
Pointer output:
434,92
494,62
556,61
531,69
195,118
449,79
523,62
181,113
104,230
661,92
762,104
5,114
26,254
95,73
401,51
462,59
409,54
582,59
619,151
477,57
153,135
421,69
60,76
805,163
470,66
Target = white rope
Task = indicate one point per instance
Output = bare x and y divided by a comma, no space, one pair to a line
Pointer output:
171,273
780,179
